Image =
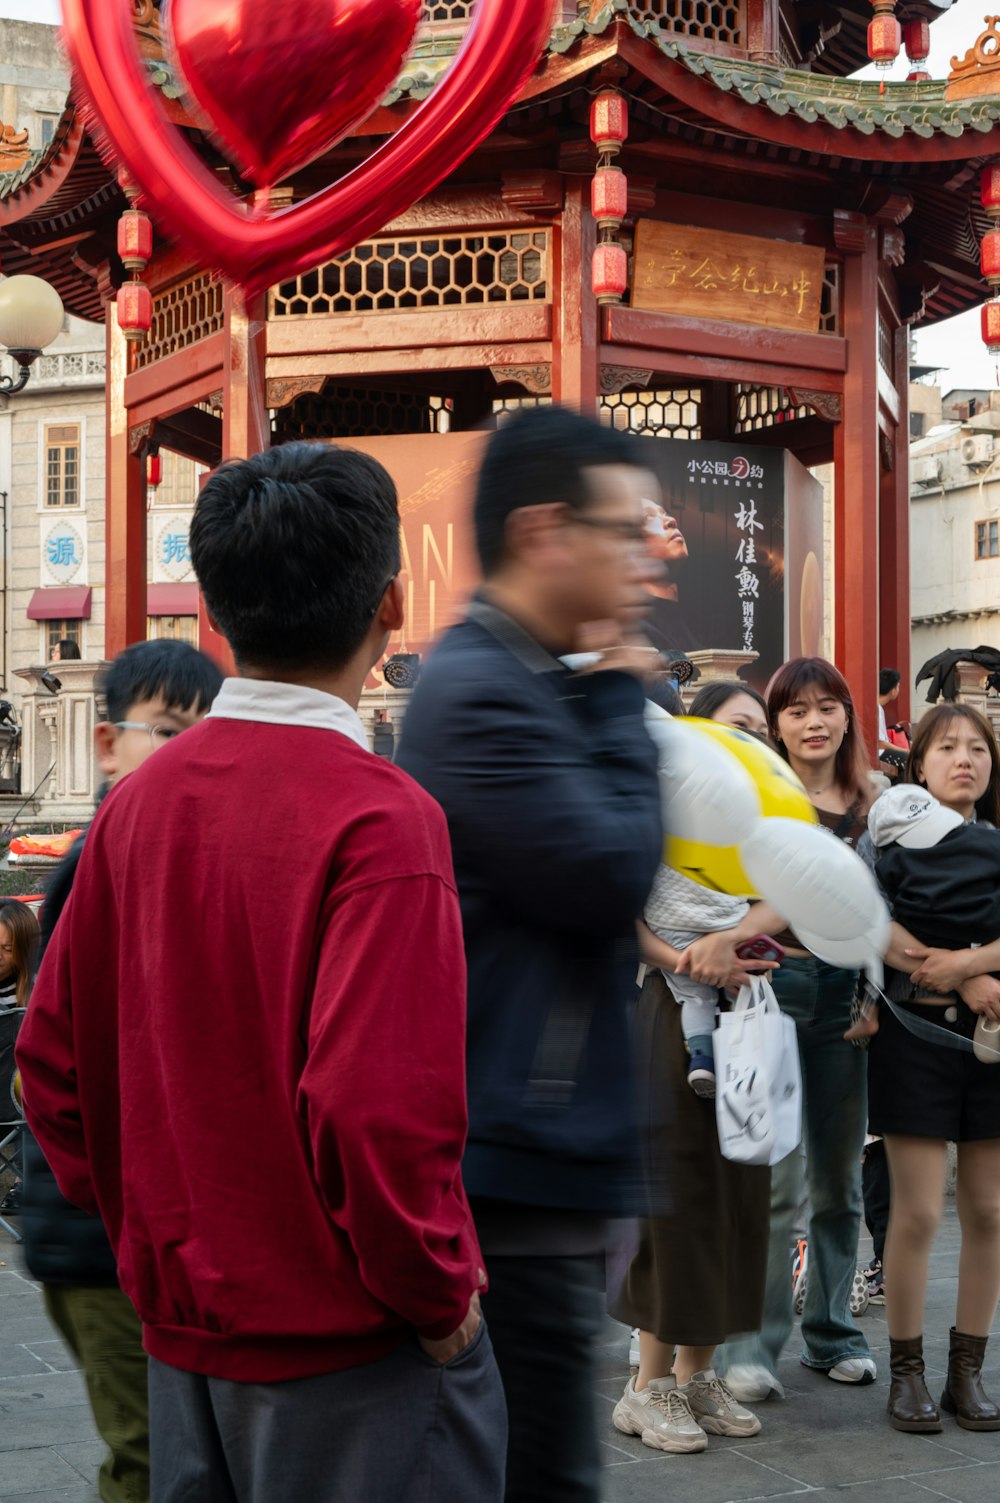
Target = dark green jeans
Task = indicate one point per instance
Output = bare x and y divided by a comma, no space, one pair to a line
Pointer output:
102,1330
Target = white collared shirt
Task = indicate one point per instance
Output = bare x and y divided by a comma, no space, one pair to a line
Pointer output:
287,704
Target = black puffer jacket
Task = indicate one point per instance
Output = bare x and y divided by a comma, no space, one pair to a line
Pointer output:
62,1244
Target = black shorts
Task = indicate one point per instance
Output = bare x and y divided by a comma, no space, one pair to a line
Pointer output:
923,1090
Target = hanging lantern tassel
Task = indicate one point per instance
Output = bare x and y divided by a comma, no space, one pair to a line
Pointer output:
917,41
609,195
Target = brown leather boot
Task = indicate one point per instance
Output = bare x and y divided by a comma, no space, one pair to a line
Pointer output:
910,1405
963,1393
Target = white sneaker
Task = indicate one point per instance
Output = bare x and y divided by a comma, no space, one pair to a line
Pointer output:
714,1406
751,1383
854,1370
660,1415
633,1348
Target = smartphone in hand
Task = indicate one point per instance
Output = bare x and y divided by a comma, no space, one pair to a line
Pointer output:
761,947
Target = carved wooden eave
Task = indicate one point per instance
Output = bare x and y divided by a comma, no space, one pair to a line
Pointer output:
977,74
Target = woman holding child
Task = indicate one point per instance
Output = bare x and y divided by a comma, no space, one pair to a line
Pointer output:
924,1095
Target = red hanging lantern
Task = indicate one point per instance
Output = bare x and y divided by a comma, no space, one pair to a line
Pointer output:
917,41
609,121
609,196
989,256
990,322
135,309
154,471
135,239
989,189
610,272
885,35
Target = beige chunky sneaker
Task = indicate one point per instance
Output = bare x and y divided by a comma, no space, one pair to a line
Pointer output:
715,1408
661,1416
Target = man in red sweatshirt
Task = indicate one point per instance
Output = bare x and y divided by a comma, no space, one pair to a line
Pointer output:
245,1049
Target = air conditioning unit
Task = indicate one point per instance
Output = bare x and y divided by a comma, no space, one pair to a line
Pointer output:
977,449
925,470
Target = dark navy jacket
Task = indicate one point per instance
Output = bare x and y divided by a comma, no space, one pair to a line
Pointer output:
62,1244
549,784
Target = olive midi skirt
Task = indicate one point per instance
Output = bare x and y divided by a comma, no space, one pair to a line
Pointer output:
697,1276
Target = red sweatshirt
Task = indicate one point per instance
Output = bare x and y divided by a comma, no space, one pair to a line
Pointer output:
245,1049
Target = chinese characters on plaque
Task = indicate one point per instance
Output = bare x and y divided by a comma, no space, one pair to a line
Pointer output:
738,278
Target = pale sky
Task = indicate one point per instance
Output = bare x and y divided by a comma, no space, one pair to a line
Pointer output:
955,344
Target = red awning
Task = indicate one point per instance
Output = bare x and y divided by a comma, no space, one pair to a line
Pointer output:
172,600
64,603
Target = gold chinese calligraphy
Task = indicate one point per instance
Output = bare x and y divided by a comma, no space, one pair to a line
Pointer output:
738,278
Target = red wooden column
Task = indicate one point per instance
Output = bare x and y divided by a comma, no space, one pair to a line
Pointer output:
856,479
894,540
245,422
575,359
125,508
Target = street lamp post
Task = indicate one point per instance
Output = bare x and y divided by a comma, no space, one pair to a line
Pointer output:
31,315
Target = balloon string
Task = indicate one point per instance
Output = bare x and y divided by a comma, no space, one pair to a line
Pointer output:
931,1033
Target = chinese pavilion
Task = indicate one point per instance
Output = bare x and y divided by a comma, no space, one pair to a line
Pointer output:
768,230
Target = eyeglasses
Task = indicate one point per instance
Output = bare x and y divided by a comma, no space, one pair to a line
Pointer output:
633,534
159,735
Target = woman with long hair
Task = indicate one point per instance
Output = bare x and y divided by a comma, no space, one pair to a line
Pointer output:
18,952
924,1095
698,1271
815,728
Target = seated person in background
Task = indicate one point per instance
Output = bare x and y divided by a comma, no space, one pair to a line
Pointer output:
65,651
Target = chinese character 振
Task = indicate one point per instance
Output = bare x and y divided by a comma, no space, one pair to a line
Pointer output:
175,548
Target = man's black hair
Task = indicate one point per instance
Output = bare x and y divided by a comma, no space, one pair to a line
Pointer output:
293,549
182,676
888,678
536,458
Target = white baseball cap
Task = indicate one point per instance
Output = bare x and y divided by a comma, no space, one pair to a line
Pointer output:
910,816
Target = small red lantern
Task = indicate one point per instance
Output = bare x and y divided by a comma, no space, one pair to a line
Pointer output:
990,319
610,273
609,196
917,40
885,38
609,121
989,188
135,239
135,309
154,471
989,256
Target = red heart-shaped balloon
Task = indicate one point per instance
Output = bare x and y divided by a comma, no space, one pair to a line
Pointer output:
256,247
279,84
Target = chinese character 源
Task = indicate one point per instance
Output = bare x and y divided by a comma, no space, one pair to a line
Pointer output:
61,551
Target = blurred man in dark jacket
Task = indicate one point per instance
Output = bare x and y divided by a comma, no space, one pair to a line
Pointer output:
549,784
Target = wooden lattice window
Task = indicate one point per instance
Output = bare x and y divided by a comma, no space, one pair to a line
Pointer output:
504,408
62,464
672,412
440,271
349,411
62,631
765,407
714,20
182,315
172,629
437,12
829,306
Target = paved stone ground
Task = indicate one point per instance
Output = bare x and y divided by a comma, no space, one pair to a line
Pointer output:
822,1439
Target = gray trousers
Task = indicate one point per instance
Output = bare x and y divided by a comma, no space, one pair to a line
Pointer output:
402,1430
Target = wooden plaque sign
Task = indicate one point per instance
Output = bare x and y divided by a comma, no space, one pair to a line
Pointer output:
739,278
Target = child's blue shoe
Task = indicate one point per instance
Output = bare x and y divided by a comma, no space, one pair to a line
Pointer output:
701,1075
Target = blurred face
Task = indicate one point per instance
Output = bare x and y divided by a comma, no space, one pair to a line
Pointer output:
55,656
957,766
148,726
6,952
813,727
743,713
606,567
664,539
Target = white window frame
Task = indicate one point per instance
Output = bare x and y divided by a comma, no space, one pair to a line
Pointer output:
43,467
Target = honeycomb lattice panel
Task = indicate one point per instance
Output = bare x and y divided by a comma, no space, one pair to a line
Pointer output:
441,271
